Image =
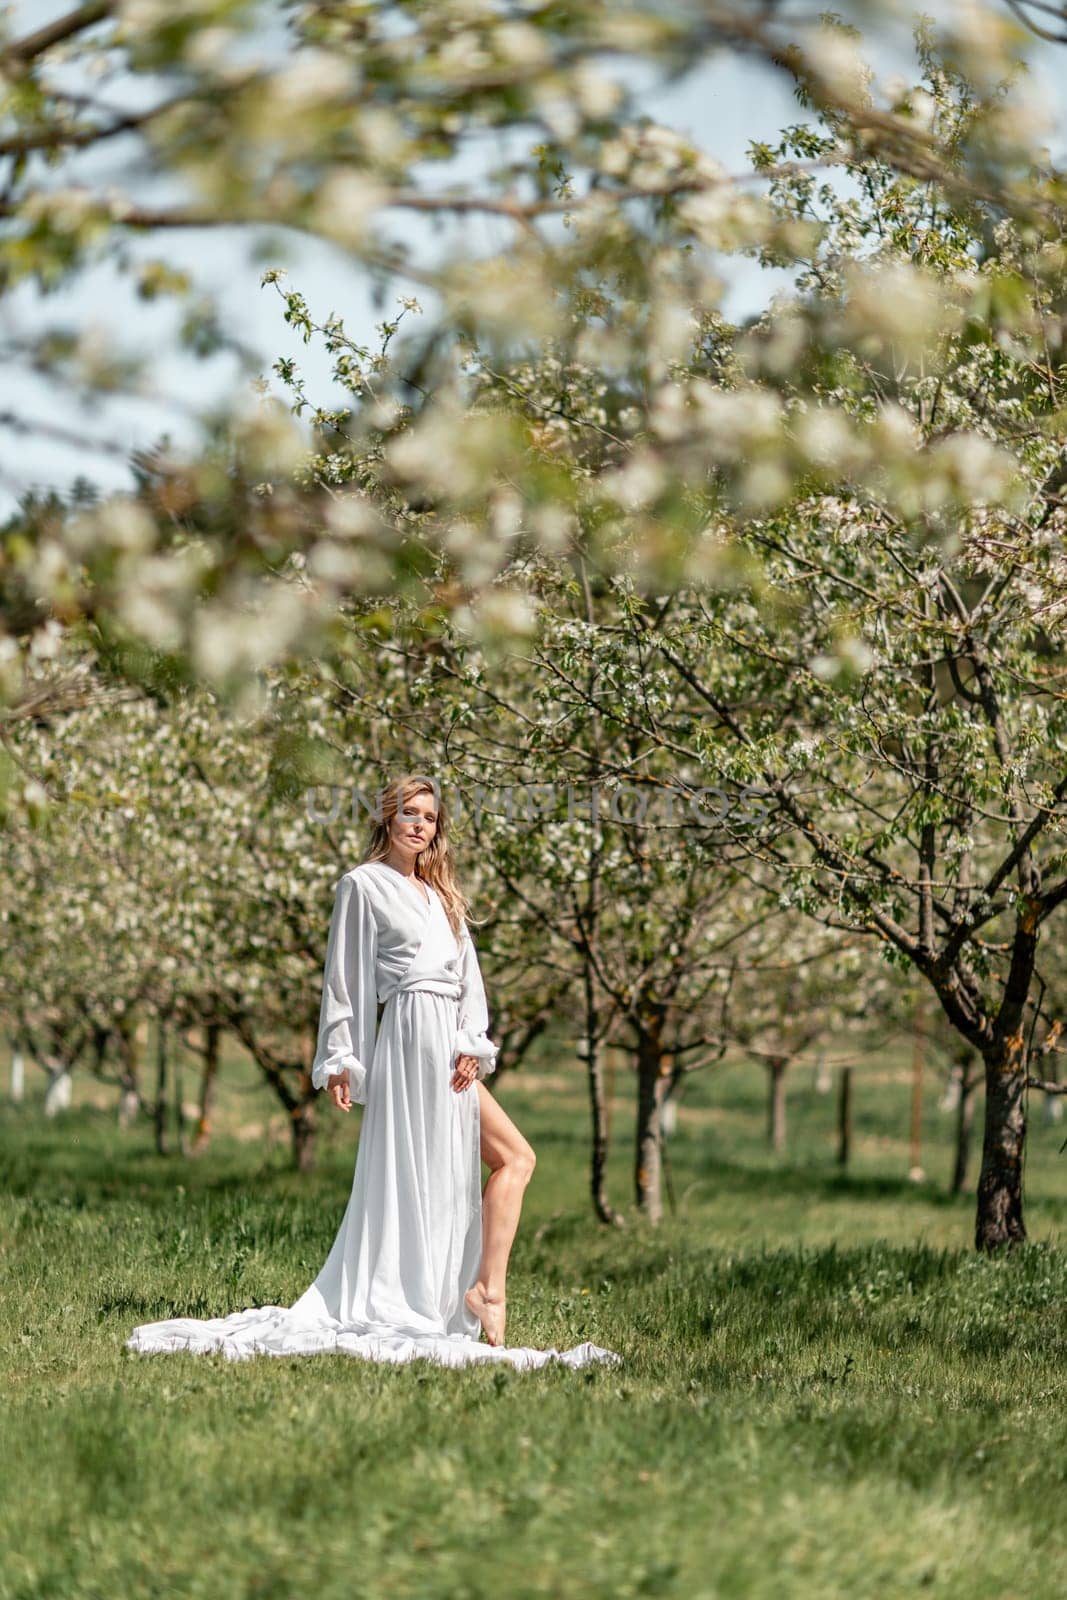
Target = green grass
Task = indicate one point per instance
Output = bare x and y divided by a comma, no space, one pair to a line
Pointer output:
824,1390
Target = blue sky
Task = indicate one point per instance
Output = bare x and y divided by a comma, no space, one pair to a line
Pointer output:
722,106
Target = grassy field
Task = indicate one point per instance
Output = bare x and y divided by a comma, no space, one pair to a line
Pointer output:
824,1391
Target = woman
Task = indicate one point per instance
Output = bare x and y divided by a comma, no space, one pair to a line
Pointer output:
419,1263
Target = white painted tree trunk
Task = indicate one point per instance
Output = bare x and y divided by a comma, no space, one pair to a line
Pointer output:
18,1077
129,1106
950,1097
57,1095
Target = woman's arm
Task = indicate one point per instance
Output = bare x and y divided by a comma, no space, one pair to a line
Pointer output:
472,1039
348,1015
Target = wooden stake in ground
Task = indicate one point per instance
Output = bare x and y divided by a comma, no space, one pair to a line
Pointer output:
844,1118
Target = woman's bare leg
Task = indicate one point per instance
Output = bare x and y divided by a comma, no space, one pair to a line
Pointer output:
512,1161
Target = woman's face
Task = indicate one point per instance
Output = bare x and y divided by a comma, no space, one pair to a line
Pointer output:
414,826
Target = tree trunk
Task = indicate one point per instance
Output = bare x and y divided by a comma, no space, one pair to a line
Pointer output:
57,1096
599,1153
668,1116
299,1106
999,1221
1052,1104
965,1104
844,1118
101,1040
302,1122
648,1166
179,1100
161,1088
129,1067
18,1077
915,1135
776,1069
208,1078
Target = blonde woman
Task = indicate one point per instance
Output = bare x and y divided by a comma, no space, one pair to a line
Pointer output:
419,1263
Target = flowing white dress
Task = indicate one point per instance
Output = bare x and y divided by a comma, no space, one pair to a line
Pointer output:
409,1244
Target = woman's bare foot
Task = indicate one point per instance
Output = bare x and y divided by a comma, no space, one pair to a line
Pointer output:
490,1309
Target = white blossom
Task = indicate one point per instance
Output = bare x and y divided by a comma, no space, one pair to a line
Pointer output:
635,484
310,78
522,44
837,59
346,204
596,95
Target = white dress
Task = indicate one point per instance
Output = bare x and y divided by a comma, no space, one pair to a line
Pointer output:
409,1243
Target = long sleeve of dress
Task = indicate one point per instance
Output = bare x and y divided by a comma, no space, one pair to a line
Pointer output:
348,1015
472,1038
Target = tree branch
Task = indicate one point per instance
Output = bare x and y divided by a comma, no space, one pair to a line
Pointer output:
26,49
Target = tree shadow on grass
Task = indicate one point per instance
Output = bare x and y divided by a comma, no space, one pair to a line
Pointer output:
811,1181
82,1161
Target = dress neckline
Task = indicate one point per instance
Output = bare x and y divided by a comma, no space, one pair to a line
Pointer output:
424,898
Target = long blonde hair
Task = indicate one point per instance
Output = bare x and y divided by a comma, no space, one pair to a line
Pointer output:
434,865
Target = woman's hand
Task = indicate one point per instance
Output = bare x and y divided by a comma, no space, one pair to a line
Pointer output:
465,1073
339,1090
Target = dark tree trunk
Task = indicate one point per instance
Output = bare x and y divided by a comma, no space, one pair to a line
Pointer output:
208,1080
844,1118
599,1153
101,1040
302,1122
999,1221
776,1069
968,1082
648,1165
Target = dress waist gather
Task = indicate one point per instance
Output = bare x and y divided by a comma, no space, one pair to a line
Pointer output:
442,982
